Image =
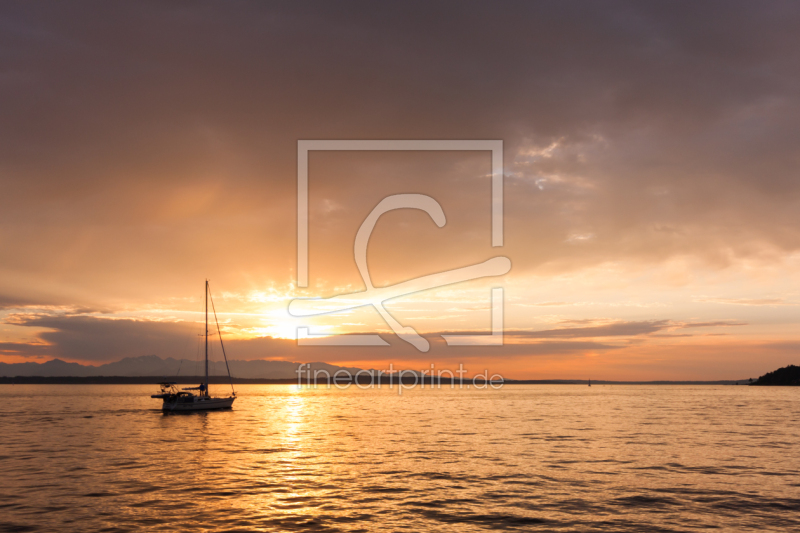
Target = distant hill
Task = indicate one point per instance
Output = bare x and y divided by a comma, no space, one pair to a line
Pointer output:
788,375
152,365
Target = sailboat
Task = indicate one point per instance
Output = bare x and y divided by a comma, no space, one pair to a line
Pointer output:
182,400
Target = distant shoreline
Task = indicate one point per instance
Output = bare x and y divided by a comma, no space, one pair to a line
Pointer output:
223,380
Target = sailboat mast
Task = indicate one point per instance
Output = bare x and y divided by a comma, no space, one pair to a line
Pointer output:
206,296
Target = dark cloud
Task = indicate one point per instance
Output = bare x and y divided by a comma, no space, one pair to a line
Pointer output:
92,338
89,338
25,349
713,324
617,329
11,302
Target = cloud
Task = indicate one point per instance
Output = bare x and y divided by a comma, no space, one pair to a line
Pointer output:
713,324
104,339
13,301
744,301
125,154
92,339
10,302
26,349
88,338
617,329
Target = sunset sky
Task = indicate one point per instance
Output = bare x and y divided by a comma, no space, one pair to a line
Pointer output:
651,174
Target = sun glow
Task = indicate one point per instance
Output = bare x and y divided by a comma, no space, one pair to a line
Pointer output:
276,331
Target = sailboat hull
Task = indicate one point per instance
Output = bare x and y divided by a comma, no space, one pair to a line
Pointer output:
198,404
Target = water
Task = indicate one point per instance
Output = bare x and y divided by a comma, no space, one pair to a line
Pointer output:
549,458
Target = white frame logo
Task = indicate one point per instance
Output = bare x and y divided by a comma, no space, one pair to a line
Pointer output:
496,266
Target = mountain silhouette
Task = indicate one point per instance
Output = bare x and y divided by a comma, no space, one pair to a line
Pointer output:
152,365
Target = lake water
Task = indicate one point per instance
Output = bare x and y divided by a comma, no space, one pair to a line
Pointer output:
549,458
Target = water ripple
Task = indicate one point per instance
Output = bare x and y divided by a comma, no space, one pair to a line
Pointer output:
524,458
